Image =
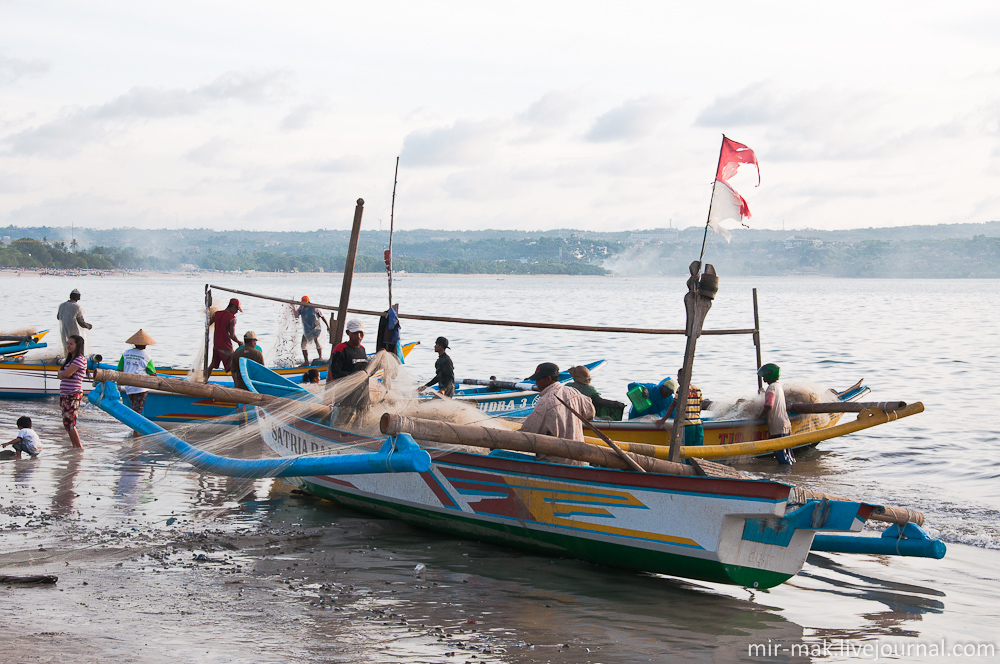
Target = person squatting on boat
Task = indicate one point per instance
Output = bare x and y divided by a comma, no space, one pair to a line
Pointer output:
310,327
694,431
349,357
136,360
658,395
606,408
778,424
71,375
225,335
70,317
248,350
552,418
444,370
27,439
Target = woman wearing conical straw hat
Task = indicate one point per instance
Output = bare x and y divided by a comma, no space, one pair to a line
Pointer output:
137,361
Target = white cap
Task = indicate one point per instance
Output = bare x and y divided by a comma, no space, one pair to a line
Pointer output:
355,325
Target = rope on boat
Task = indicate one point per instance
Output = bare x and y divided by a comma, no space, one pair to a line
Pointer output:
885,513
502,323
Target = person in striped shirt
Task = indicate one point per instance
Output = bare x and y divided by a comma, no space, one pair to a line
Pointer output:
694,431
71,386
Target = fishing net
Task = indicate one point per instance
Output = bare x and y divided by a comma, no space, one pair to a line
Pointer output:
285,351
796,391
350,407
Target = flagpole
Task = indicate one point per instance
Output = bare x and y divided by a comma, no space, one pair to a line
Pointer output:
704,238
392,214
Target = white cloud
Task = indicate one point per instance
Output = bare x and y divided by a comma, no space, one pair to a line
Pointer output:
463,142
14,69
212,153
632,120
77,127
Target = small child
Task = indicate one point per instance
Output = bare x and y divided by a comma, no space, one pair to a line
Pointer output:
27,439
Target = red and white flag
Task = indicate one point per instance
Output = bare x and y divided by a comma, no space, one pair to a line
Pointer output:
732,155
726,204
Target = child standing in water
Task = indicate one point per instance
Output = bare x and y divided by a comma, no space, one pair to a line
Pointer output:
27,439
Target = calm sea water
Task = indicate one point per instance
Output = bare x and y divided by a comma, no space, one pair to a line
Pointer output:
910,340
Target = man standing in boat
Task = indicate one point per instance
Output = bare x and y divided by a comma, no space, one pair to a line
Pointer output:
551,417
310,327
347,358
70,317
778,424
444,370
225,336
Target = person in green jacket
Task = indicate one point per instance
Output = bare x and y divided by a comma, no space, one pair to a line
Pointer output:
606,408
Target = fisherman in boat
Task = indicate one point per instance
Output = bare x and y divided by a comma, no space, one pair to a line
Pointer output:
310,327
248,350
778,424
70,317
136,360
694,431
347,358
225,336
651,398
444,370
606,408
550,416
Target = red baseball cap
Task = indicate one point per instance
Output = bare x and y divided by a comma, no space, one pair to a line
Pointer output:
237,303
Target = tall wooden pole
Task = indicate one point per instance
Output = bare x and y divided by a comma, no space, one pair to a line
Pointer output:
208,323
756,339
697,302
345,289
392,215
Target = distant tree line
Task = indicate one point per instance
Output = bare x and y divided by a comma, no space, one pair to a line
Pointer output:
978,256
28,253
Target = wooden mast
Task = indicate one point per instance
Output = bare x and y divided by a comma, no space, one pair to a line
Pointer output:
345,289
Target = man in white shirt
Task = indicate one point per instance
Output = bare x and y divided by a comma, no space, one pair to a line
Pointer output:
778,424
552,418
70,317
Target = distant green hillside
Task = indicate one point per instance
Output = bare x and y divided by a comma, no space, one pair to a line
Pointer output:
943,251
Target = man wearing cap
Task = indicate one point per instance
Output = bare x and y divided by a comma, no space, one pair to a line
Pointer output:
349,357
775,411
310,327
550,416
70,317
444,370
137,361
225,335
660,396
249,351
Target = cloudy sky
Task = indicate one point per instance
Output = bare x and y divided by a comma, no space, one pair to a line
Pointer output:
526,115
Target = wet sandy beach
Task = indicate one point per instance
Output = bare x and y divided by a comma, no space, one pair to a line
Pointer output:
158,563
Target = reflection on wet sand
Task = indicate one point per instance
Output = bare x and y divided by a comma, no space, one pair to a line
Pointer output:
63,493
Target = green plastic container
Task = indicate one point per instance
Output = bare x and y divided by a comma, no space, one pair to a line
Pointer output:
639,397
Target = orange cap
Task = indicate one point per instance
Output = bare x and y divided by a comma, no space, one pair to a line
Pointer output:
305,298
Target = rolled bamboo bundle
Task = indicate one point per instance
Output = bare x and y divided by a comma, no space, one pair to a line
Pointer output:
845,406
520,441
209,391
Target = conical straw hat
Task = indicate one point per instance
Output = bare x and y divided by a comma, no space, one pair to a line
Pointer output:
140,338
